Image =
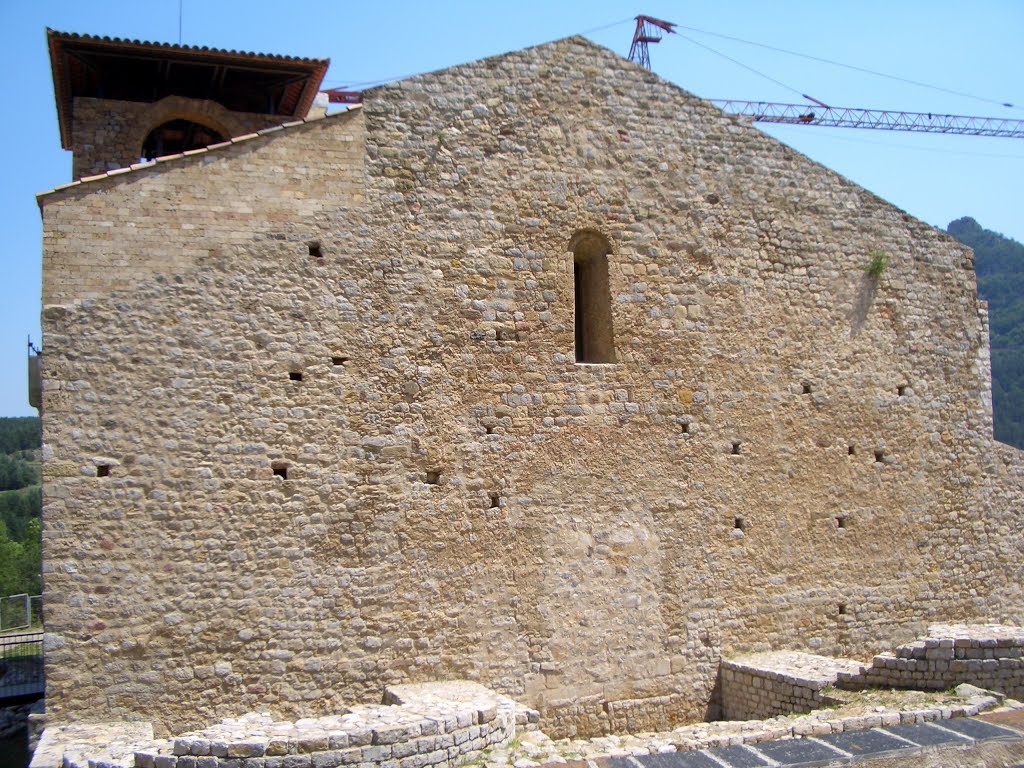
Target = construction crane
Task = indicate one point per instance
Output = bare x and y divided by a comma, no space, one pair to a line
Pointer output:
819,113
647,32
878,119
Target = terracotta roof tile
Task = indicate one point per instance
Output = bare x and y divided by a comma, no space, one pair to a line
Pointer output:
201,49
298,78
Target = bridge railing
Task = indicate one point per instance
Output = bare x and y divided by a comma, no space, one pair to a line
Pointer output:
21,666
20,612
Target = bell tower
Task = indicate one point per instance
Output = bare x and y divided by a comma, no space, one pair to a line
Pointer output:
122,101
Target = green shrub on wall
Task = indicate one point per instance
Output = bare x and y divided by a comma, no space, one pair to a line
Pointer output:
876,266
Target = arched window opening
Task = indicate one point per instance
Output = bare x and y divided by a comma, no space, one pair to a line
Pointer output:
595,341
177,136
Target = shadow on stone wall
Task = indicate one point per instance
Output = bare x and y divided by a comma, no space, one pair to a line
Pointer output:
865,298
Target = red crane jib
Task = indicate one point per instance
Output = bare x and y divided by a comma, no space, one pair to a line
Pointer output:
668,26
338,96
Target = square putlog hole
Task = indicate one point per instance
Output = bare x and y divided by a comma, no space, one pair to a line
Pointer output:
739,524
495,501
879,457
841,609
280,469
841,522
295,375
807,388
433,477
736,447
315,250
102,470
339,361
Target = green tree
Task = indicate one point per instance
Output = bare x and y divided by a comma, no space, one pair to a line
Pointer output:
22,433
999,265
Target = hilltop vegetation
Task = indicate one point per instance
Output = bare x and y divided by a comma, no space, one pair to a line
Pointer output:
20,506
999,263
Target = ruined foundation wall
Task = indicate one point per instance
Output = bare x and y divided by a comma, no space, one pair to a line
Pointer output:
778,683
988,656
382,464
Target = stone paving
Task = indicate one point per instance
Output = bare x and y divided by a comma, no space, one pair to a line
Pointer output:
824,735
825,750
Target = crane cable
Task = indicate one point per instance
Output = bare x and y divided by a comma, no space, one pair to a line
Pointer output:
741,64
846,66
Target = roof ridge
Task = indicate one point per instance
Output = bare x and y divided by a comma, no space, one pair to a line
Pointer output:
70,36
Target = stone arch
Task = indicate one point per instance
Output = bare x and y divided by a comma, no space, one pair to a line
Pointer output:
594,336
178,135
207,114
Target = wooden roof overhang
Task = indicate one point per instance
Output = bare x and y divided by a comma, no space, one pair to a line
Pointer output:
133,70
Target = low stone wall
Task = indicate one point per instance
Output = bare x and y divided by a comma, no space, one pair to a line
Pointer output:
764,685
636,715
986,655
442,724
586,716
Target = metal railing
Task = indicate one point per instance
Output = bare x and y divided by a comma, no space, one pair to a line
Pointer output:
20,612
21,667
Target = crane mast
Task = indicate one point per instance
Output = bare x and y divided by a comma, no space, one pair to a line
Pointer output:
648,30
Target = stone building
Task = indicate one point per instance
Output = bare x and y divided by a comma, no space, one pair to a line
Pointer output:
537,371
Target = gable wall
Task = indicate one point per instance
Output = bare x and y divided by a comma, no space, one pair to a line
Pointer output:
578,550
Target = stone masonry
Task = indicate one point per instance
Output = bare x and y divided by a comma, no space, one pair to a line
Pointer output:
109,134
313,422
989,656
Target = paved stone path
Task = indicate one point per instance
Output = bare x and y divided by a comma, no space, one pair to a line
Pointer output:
830,749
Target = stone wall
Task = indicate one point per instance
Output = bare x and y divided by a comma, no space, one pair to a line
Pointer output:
279,475
108,134
988,656
185,209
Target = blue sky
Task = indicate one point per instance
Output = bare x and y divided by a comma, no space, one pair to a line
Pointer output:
974,49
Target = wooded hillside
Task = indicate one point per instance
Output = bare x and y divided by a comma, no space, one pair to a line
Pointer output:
999,264
20,506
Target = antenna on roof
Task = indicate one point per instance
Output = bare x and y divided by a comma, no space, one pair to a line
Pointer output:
647,32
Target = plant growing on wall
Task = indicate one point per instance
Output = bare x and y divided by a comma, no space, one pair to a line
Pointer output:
876,266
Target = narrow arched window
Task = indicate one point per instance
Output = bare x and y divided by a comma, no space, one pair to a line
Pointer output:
595,340
177,136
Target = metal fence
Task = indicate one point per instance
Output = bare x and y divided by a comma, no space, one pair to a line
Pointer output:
21,667
20,612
